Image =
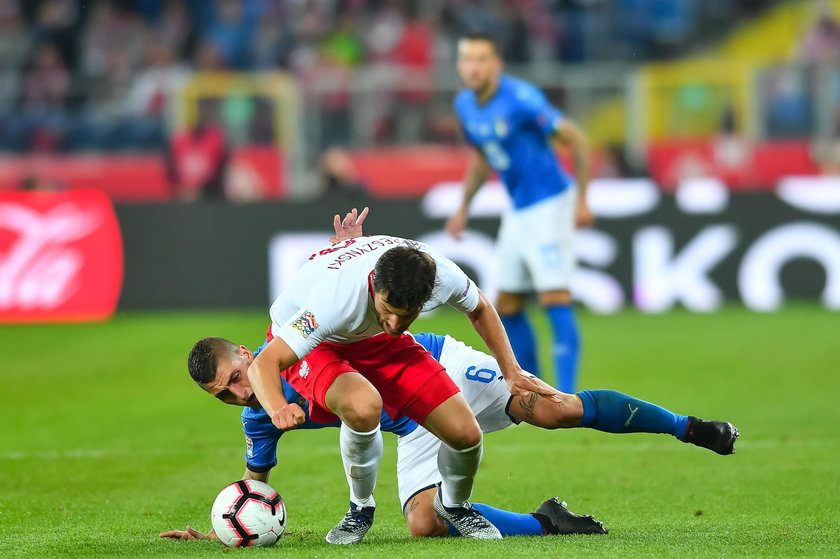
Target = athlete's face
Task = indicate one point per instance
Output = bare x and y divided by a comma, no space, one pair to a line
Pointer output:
231,384
393,320
478,64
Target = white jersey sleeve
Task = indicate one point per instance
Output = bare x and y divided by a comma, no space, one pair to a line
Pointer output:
453,288
307,328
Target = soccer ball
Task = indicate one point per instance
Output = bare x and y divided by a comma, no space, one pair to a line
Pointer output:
248,513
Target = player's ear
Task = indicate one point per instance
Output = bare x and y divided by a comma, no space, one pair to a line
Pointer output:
244,351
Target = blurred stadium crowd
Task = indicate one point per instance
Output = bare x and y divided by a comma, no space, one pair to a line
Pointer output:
88,75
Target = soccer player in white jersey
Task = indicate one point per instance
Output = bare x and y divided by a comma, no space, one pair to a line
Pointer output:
513,130
339,337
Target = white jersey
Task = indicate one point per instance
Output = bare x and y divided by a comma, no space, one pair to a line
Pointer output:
330,299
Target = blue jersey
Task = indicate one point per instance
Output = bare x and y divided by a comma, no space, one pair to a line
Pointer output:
512,130
261,436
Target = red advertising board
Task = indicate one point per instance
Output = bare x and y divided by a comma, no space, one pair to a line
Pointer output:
739,164
61,256
254,172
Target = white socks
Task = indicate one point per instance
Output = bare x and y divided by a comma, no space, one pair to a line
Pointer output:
361,454
457,468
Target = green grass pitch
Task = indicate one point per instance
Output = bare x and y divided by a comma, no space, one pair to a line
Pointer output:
105,442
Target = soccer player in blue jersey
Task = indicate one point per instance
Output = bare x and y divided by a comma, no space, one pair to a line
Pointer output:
513,130
479,378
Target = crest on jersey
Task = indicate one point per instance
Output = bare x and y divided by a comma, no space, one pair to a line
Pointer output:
500,127
305,324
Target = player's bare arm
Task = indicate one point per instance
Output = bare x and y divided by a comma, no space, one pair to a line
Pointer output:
486,322
265,380
350,227
564,411
478,170
570,135
190,533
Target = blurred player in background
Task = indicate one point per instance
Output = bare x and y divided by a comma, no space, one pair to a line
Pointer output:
514,130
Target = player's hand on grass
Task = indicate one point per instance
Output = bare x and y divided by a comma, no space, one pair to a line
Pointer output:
350,227
583,215
189,533
288,417
456,223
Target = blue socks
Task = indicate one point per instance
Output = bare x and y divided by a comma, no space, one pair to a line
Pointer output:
565,346
522,340
614,412
508,523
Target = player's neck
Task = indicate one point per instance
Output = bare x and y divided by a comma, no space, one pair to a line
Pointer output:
484,95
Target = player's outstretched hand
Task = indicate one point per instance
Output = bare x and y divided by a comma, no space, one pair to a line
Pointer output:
288,417
526,383
584,216
189,533
350,227
456,223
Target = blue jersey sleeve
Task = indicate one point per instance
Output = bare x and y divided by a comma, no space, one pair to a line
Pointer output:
535,109
261,439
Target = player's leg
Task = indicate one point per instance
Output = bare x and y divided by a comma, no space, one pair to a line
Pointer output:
565,347
359,406
458,458
614,412
417,482
514,285
420,516
460,454
511,309
423,522
551,261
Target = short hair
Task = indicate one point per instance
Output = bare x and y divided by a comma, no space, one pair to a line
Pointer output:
204,358
407,275
479,35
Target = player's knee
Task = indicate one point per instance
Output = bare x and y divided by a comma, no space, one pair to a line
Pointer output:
425,524
508,304
361,414
468,436
554,298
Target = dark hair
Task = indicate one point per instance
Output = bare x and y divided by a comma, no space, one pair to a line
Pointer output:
204,358
478,35
406,275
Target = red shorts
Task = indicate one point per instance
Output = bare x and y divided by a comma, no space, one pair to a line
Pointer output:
407,377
